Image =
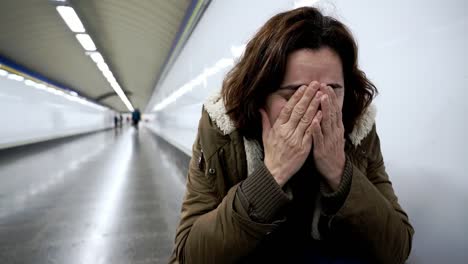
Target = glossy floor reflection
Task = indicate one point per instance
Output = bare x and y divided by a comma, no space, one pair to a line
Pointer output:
108,197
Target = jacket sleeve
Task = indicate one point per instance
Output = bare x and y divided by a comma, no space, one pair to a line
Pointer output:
214,231
369,211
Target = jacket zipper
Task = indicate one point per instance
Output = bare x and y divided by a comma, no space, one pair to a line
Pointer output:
222,162
201,160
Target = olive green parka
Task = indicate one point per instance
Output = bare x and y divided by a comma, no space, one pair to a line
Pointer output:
234,212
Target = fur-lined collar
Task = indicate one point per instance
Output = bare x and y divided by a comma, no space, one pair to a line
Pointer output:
215,108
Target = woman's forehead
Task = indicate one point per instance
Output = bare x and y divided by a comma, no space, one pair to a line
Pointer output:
304,66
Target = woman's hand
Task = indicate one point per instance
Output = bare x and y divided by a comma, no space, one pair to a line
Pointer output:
328,138
288,142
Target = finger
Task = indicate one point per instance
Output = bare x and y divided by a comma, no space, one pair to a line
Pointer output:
288,108
266,126
310,113
326,123
324,90
338,122
301,107
307,139
332,110
308,135
315,104
339,119
339,114
317,132
333,97
336,111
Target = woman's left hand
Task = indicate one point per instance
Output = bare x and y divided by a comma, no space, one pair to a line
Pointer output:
329,142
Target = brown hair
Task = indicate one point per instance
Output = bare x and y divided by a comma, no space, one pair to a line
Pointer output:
261,69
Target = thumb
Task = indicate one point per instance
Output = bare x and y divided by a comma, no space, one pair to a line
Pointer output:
266,126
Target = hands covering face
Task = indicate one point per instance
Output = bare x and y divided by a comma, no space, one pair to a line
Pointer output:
312,116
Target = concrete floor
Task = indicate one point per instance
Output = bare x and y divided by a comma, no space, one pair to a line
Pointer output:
107,197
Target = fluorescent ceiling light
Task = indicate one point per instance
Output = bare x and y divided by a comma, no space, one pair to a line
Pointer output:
60,92
127,103
29,83
56,91
200,79
107,74
15,77
97,57
41,86
111,79
115,86
3,72
50,89
86,41
103,67
70,17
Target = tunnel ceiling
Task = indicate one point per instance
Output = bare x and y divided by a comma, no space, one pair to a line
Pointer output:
134,38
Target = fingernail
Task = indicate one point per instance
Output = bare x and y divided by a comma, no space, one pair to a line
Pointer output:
301,89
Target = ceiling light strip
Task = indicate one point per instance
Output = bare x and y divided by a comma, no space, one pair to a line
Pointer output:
86,42
72,20
12,74
70,17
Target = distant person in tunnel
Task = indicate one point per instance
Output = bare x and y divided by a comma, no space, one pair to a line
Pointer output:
136,117
287,165
116,122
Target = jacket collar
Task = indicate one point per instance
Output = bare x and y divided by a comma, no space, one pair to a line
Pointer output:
215,108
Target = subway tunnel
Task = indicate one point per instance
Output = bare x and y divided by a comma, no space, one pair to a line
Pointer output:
101,101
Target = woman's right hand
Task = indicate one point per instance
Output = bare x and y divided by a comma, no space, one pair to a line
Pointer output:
288,142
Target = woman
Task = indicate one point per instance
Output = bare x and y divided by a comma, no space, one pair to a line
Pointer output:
287,165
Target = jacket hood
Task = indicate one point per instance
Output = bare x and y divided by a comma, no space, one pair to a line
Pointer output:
215,108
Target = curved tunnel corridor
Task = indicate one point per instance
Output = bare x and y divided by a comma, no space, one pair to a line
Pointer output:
106,197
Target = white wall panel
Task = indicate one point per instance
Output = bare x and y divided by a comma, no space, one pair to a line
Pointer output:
203,62
29,114
416,54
